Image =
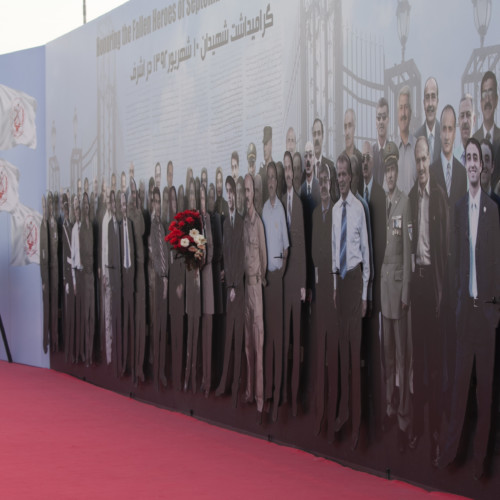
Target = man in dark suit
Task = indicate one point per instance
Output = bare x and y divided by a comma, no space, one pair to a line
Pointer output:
294,282
477,241
430,230
374,195
87,260
69,295
127,250
319,159
234,270
45,273
379,145
54,273
486,174
159,252
488,129
220,202
115,285
310,197
431,129
325,315
450,174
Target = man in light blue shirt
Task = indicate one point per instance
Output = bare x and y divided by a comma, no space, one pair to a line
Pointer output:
273,216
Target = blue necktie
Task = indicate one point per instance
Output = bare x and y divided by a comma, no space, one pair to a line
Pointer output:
343,242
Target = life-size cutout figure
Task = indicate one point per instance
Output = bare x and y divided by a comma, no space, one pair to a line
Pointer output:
207,284
193,309
255,271
273,217
45,273
294,282
233,274
69,294
351,268
477,269
54,274
395,296
429,213
325,315
78,283
103,273
115,283
127,243
176,300
87,261
160,256
137,218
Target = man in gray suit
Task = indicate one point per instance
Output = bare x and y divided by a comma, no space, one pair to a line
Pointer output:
395,294
431,129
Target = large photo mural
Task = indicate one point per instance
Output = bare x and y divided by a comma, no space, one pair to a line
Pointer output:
284,217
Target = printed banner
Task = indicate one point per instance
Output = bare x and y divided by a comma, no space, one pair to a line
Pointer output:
25,236
17,118
9,186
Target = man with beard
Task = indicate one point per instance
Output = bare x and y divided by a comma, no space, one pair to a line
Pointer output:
431,128
233,273
255,271
240,196
487,151
379,145
157,175
430,250
466,123
489,130
297,172
477,268
294,283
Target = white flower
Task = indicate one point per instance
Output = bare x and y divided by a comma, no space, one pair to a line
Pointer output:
197,238
184,242
193,233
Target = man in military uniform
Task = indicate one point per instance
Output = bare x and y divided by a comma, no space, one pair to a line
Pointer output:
251,157
255,270
395,294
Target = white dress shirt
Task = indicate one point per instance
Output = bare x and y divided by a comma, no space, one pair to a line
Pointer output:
357,249
474,205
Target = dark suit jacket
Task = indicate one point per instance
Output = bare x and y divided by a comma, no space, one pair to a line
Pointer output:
66,254
378,165
457,190
44,253
87,247
234,260
334,184
376,204
496,199
131,242
114,256
309,204
437,140
438,233
495,140
295,276
487,257
217,222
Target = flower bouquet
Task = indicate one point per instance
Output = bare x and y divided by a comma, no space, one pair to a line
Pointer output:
186,239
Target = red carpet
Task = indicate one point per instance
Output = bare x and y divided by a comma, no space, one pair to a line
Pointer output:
63,438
